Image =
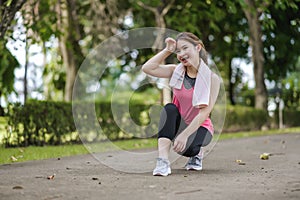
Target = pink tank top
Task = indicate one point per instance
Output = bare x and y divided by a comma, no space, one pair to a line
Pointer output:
182,98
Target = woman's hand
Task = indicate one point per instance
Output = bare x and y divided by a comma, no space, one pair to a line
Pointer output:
180,143
170,44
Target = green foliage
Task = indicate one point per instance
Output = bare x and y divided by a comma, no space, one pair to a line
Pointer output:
8,64
281,37
242,118
43,20
246,97
51,123
40,123
291,90
290,117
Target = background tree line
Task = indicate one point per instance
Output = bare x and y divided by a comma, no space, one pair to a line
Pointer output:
266,34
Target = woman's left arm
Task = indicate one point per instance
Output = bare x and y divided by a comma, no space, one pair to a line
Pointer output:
181,139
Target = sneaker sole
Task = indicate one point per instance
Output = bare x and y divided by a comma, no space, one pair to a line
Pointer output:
160,174
193,169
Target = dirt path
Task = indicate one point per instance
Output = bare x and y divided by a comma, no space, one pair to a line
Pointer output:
84,177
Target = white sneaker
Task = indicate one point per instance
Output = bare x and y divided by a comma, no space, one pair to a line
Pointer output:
194,163
162,167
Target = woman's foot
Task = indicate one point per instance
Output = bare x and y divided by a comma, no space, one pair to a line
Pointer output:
194,163
162,167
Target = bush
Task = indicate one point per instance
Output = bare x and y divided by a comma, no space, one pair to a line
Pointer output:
290,117
242,118
40,123
52,123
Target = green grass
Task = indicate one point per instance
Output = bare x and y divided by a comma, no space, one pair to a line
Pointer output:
38,153
8,155
258,133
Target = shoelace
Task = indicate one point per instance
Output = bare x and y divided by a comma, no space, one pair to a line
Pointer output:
162,163
193,160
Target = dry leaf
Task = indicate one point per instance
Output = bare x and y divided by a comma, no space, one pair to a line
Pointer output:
264,156
17,187
51,177
14,159
240,162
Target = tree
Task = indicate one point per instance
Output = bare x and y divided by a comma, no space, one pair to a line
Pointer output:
78,26
253,12
8,10
8,64
262,20
223,30
228,40
68,24
281,36
160,11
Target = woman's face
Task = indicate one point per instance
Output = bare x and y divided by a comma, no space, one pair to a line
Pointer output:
187,53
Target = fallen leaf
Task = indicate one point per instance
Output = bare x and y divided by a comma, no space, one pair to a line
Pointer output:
17,187
51,177
264,156
240,162
14,159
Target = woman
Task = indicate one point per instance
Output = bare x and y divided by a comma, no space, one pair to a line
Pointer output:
185,121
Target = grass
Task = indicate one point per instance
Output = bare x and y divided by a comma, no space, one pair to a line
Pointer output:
20,154
224,136
9,155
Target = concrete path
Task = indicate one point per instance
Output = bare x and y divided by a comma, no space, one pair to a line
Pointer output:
84,177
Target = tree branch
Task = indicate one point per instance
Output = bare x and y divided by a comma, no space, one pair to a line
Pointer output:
152,9
167,8
8,13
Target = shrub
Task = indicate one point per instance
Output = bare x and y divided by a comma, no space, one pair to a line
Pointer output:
242,118
52,123
40,123
290,117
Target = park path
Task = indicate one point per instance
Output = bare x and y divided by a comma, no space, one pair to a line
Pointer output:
84,177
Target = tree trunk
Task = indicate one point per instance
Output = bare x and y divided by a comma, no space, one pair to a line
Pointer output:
159,13
256,44
68,44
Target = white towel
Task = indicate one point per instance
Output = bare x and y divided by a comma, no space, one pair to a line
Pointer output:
202,85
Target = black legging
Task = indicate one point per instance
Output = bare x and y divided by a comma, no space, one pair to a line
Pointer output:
171,124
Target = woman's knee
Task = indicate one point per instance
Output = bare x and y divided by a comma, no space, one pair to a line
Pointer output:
170,108
168,112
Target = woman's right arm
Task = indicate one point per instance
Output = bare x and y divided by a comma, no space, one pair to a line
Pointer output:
154,67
